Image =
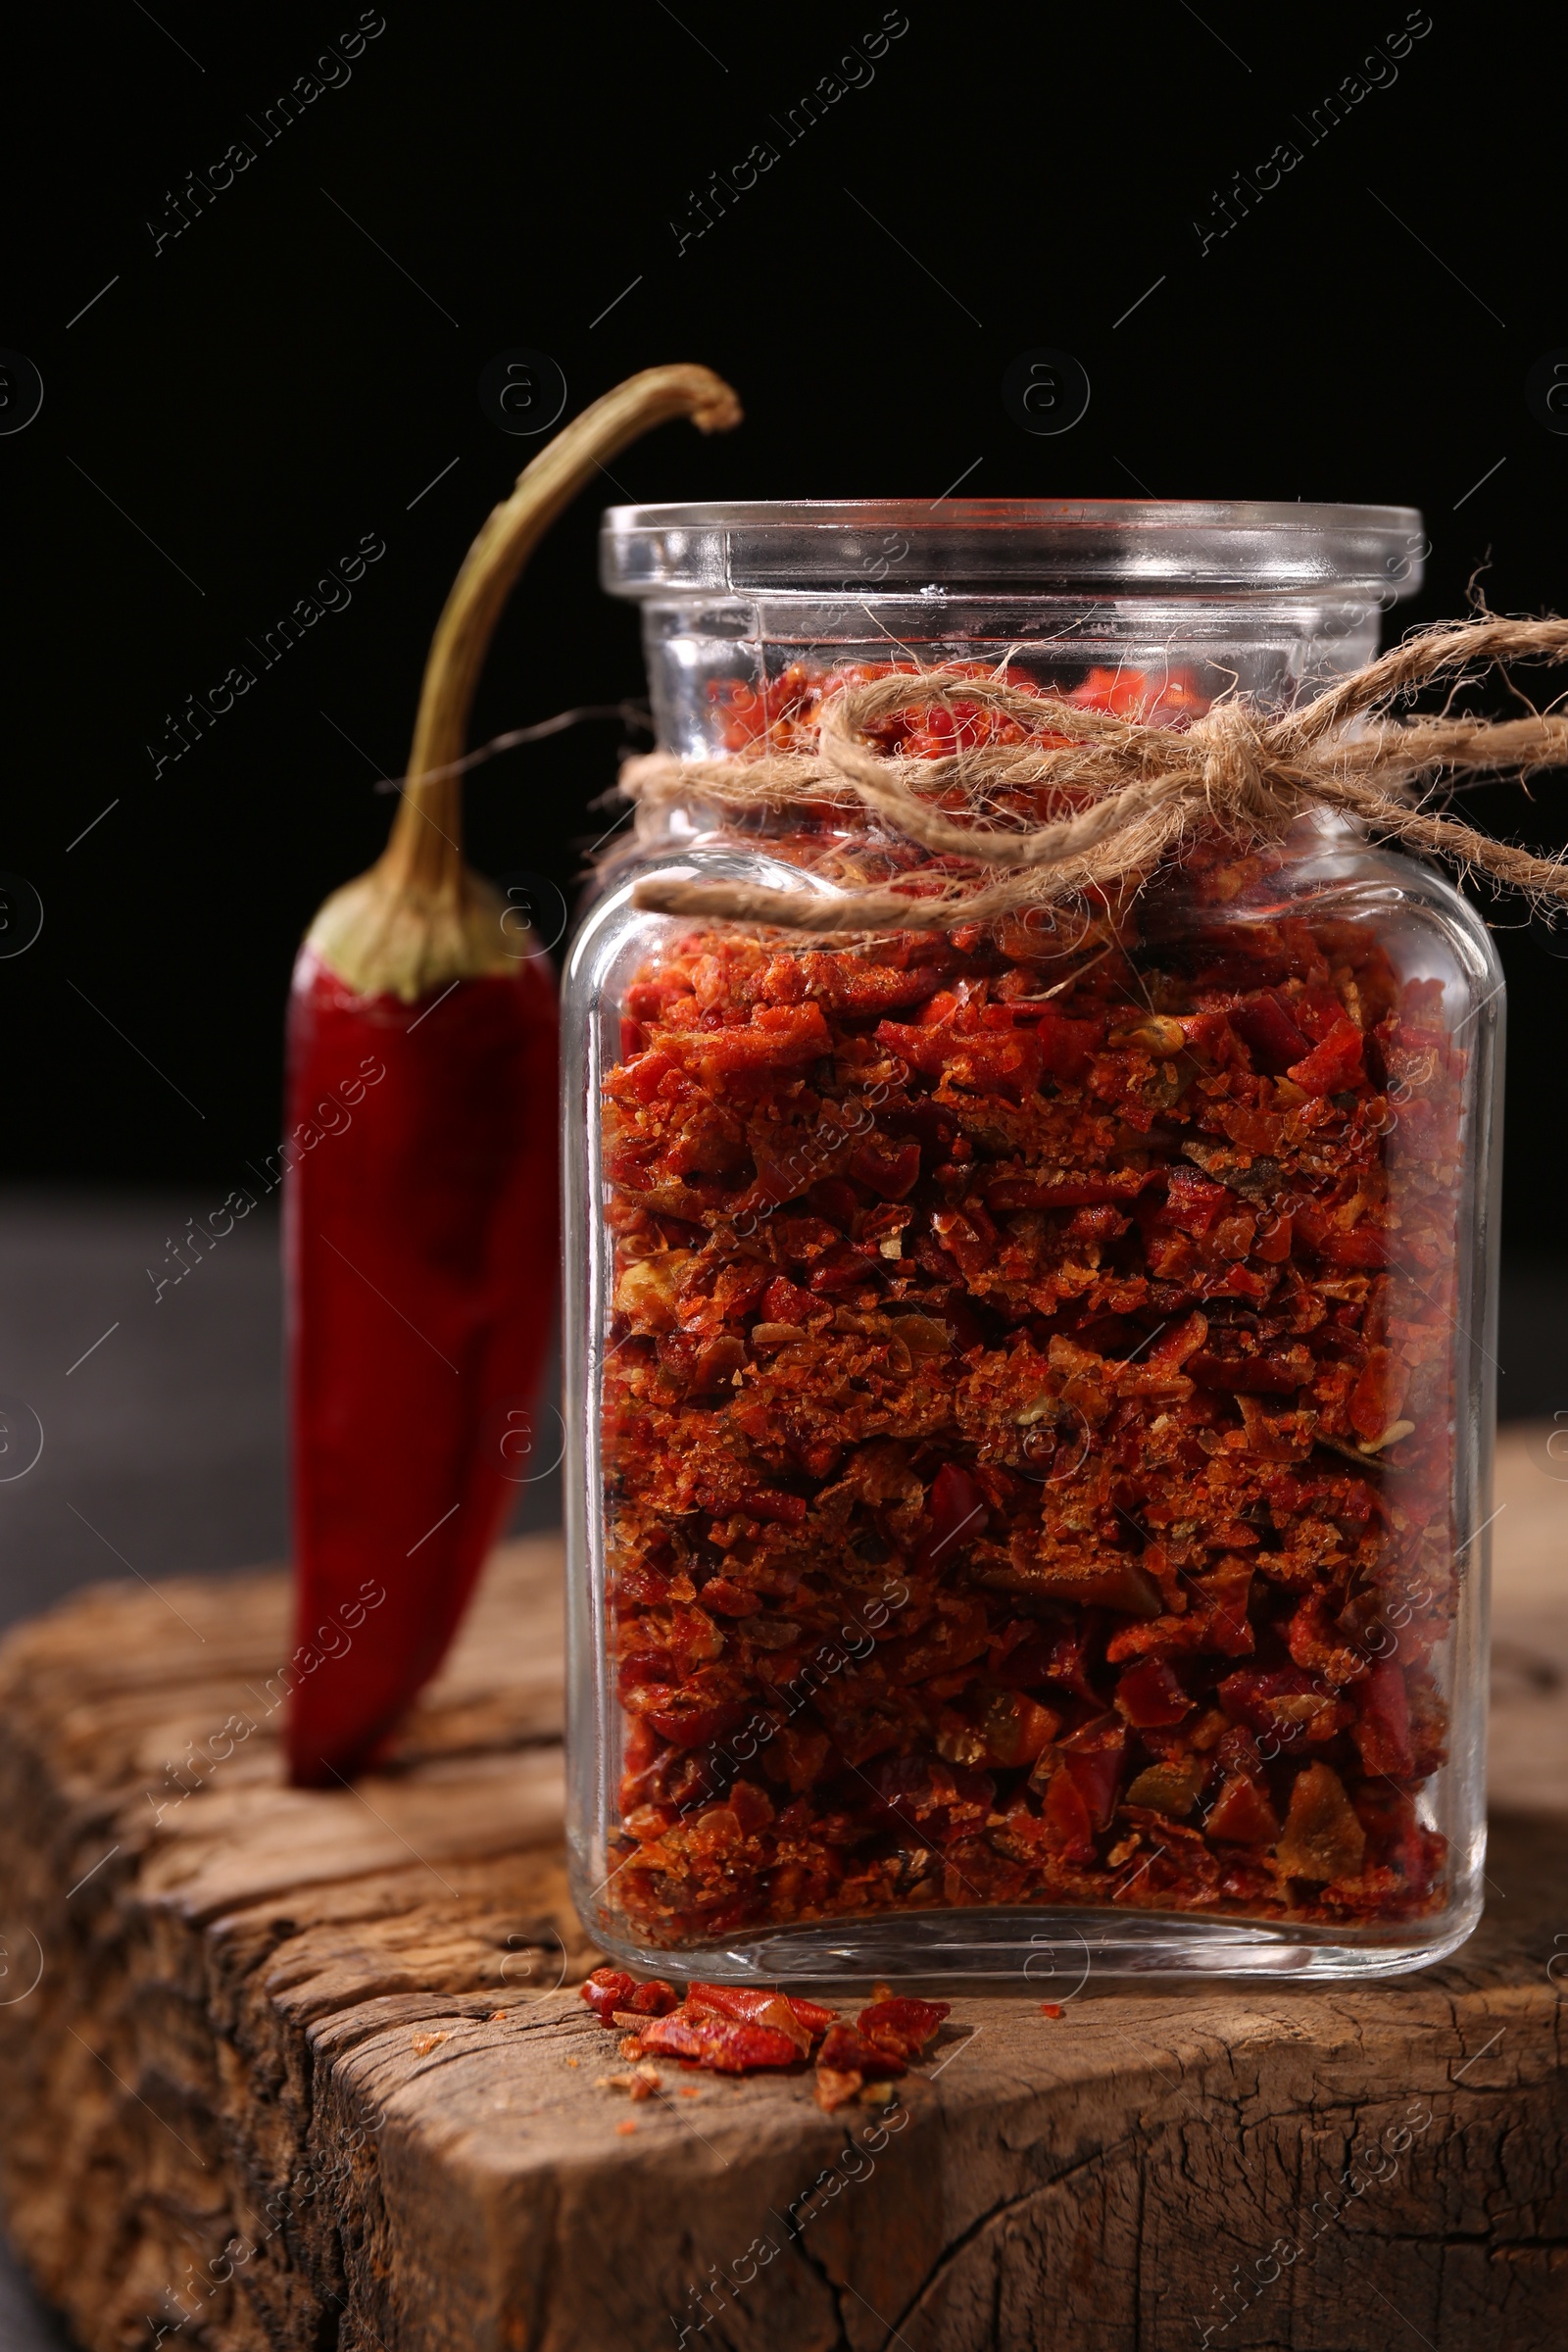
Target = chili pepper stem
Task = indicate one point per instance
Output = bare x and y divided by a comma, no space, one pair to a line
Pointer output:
420,918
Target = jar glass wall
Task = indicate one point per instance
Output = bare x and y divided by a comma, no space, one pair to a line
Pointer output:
1029,1386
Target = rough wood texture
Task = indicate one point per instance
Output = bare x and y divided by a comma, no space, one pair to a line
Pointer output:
296,2071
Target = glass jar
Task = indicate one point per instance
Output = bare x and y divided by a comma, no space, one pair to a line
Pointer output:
1031,1386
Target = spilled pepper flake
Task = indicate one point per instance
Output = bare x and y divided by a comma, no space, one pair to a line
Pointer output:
729,2047
902,2028
756,2005
835,2086
606,1990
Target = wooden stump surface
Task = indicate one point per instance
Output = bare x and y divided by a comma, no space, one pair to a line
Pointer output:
308,2072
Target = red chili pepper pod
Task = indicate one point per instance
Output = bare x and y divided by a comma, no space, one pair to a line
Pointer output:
419,1197
421,1262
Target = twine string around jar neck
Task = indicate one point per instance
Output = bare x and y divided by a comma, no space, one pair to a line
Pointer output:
1118,795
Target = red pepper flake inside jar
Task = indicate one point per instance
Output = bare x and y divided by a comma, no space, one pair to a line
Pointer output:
1030,1407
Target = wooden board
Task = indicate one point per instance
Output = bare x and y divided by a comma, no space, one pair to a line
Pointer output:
308,2070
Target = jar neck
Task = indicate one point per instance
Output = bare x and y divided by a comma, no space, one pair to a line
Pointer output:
715,665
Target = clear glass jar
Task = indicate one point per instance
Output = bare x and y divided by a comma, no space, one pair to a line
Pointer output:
1031,1389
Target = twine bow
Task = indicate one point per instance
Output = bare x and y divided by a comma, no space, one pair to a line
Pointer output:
1118,795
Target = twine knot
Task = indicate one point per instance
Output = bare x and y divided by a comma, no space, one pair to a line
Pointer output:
1117,796
1240,782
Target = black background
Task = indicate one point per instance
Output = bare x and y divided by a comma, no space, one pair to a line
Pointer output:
271,385
281,378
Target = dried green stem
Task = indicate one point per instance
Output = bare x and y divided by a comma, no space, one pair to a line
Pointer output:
420,918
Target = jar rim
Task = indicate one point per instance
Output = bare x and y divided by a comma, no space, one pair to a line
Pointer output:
912,547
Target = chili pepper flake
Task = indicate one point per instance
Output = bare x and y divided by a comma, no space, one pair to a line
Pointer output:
737,2029
902,2028
642,2083
742,2005
1049,1557
727,2047
835,2086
